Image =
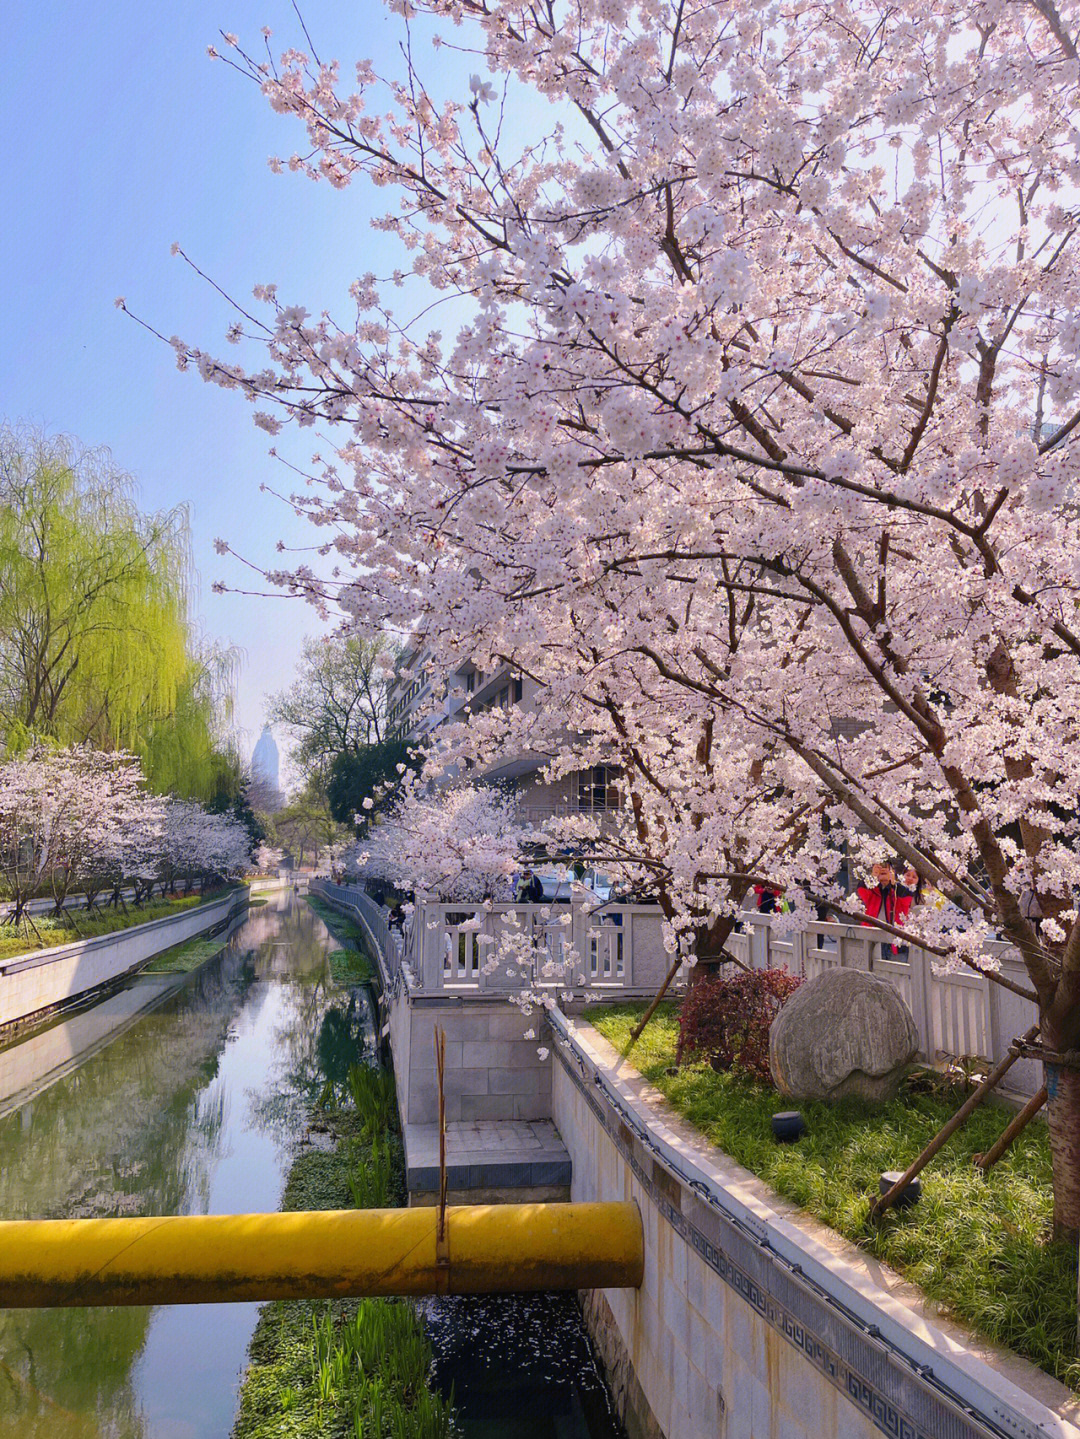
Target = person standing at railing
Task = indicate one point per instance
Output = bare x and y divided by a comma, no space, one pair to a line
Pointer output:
889,901
530,889
766,898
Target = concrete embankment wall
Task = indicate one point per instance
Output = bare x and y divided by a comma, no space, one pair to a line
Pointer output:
268,886
753,1322
492,1070
36,984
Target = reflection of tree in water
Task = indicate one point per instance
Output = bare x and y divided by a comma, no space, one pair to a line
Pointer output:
136,1130
121,1135
288,940
326,1029
64,1373
111,1138
317,1046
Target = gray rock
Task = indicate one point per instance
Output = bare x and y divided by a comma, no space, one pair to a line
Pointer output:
846,1032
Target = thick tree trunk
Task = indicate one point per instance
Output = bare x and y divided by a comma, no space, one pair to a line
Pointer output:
1063,1121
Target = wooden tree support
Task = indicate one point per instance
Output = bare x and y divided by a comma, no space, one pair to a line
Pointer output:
669,979
962,1115
1016,1124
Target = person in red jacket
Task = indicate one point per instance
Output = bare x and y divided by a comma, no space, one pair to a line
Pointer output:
766,898
887,900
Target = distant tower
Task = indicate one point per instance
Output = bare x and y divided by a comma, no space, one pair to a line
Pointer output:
264,771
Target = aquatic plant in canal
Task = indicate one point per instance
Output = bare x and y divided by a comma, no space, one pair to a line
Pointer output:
344,1369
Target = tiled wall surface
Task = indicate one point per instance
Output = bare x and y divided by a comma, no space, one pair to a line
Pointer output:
50,977
492,1070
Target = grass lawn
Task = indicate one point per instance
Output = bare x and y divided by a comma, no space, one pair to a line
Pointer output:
54,931
977,1246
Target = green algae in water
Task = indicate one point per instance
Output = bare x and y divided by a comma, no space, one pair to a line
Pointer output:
349,966
185,957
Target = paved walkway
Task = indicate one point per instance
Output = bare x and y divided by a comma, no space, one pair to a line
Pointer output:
487,1154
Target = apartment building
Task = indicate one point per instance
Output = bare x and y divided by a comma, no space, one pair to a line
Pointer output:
415,712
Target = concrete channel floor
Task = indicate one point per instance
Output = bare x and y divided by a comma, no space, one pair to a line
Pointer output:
487,1155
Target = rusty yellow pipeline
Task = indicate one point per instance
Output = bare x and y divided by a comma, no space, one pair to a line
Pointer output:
204,1259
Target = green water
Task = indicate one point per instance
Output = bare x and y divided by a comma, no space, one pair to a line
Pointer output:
179,1095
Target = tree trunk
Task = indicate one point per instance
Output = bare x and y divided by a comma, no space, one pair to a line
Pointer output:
1063,1121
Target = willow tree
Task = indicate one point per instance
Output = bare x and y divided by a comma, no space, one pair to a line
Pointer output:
96,644
185,749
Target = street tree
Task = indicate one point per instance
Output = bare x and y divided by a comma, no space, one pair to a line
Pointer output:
306,827
338,701
73,819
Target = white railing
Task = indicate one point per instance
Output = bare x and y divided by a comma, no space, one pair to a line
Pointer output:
484,948
453,948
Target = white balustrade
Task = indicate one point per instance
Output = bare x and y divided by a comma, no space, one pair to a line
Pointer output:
475,948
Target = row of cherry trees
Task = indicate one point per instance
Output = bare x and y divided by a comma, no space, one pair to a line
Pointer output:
80,820
754,444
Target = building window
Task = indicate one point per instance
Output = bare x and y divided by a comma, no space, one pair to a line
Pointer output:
597,788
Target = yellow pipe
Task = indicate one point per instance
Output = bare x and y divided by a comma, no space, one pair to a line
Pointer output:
204,1259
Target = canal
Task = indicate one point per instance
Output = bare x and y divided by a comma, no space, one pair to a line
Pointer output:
189,1094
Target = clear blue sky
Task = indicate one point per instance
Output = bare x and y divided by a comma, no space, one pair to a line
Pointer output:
122,136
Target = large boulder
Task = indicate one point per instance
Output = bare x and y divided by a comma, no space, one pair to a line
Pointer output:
846,1032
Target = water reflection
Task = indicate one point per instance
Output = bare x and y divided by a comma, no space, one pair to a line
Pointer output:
187,1098
192,1107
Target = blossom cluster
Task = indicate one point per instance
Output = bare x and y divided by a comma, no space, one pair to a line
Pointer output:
462,842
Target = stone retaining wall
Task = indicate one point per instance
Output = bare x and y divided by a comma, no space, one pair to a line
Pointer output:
754,1322
33,985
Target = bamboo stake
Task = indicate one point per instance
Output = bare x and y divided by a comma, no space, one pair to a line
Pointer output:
441,1247
1017,1123
889,1198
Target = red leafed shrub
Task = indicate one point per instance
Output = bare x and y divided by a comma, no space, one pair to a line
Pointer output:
726,1021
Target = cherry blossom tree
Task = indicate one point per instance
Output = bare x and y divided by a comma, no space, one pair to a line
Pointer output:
198,847
68,819
267,858
113,833
776,317
456,843
80,820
